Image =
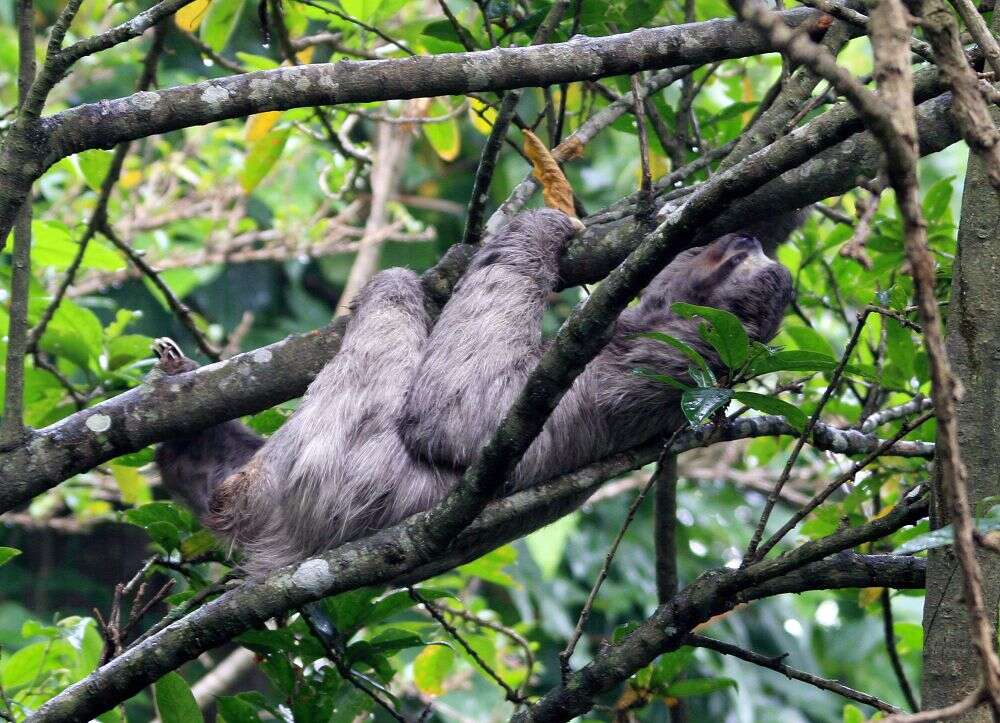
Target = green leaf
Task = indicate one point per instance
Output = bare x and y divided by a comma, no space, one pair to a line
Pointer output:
699,404
52,244
361,9
809,340
938,198
772,405
490,567
74,334
156,512
7,554
853,714
702,377
396,602
797,360
699,686
723,330
234,710
174,701
686,349
126,349
261,157
902,352
27,664
662,379
445,137
219,23
670,665
432,667
94,165
548,545
943,536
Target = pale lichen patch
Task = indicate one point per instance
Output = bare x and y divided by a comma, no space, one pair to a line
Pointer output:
260,89
215,94
145,100
262,356
98,423
312,576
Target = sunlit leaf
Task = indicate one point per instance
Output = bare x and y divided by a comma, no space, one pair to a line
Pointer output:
131,484
548,545
220,22
261,157
431,668
94,165
260,124
7,554
444,136
174,700
482,116
190,16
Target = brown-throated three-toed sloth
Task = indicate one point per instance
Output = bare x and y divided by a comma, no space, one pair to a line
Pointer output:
390,423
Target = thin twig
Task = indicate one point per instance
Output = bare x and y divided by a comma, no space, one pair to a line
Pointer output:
776,664
332,644
969,702
833,486
567,652
752,553
892,650
180,309
491,149
512,695
361,24
12,429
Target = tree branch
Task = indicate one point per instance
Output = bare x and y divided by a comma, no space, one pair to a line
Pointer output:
32,147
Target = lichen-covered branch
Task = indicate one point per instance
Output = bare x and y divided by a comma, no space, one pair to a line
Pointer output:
395,556
35,144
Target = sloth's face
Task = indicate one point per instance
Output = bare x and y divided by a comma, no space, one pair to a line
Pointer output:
734,274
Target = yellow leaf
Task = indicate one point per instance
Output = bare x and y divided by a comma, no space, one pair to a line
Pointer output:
130,179
190,16
482,116
555,188
431,668
259,124
445,137
883,512
748,96
131,484
305,56
868,595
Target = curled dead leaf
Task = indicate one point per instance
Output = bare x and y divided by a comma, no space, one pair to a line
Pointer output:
555,188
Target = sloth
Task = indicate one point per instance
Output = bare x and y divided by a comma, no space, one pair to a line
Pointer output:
391,422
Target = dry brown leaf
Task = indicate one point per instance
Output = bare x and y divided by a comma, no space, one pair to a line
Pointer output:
555,188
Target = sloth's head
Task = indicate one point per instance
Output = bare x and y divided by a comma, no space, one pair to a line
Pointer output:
732,273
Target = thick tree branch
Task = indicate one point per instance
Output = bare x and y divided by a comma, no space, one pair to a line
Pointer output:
32,146
254,381
393,556
718,591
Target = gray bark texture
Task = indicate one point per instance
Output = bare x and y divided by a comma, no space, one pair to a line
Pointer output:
951,666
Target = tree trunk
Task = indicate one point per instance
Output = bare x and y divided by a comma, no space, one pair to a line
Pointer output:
951,667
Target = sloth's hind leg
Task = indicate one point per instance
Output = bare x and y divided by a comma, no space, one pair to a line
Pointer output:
337,468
